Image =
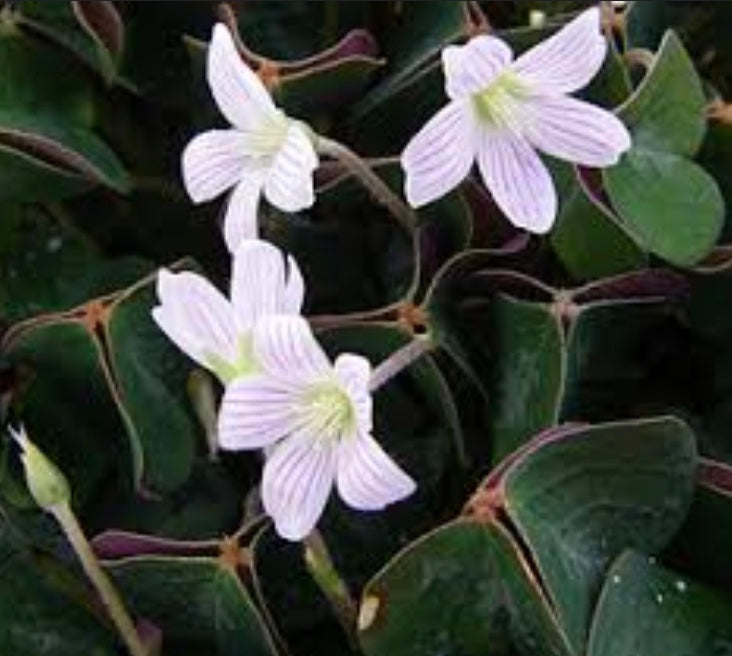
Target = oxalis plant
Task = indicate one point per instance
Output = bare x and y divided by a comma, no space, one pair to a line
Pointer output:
381,328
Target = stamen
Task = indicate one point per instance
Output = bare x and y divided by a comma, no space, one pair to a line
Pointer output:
496,104
327,409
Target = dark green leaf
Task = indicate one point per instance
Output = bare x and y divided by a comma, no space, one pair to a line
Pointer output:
580,500
646,609
199,603
461,590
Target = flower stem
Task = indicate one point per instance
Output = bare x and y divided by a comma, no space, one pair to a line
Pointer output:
320,565
372,182
107,593
400,360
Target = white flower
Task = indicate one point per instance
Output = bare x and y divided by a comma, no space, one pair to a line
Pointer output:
265,152
318,416
216,332
501,110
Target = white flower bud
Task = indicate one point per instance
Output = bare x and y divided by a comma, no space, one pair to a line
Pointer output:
46,483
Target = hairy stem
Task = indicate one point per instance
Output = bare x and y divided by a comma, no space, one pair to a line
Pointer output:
372,182
327,578
99,579
400,360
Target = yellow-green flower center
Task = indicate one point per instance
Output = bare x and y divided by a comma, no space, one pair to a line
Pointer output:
267,139
244,365
329,410
496,104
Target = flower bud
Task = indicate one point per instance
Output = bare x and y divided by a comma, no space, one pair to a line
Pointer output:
46,483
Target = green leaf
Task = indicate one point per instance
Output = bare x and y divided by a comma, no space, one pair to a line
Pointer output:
614,350
62,362
671,204
704,544
46,265
71,27
24,177
580,500
666,112
46,613
461,590
46,110
524,373
199,603
149,385
646,609
587,238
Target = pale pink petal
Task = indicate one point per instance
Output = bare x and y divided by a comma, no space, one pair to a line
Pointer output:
576,131
296,483
256,411
354,374
240,220
440,155
367,478
257,281
238,91
285,347
566,61
294,296
213,162
472,67
518,180
289,183
196,317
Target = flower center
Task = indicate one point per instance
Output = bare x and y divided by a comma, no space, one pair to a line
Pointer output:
269,136
328,409
496,104
244,365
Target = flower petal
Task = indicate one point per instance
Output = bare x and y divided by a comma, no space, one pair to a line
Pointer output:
354,374
256,411
367,478
212,163
518,180
259,282
240,220
472,67
568,60
196,317
440,155
289,183
238,92
294,296
576,131
296,483
285,347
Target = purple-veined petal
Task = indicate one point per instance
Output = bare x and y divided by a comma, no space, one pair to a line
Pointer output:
264,283
518,180
440,155
354,374
576,131
238,91
289,183
566,61
472,67
194,315
367,478
256,411
285,347
296,483
213,162
294,296
240,219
